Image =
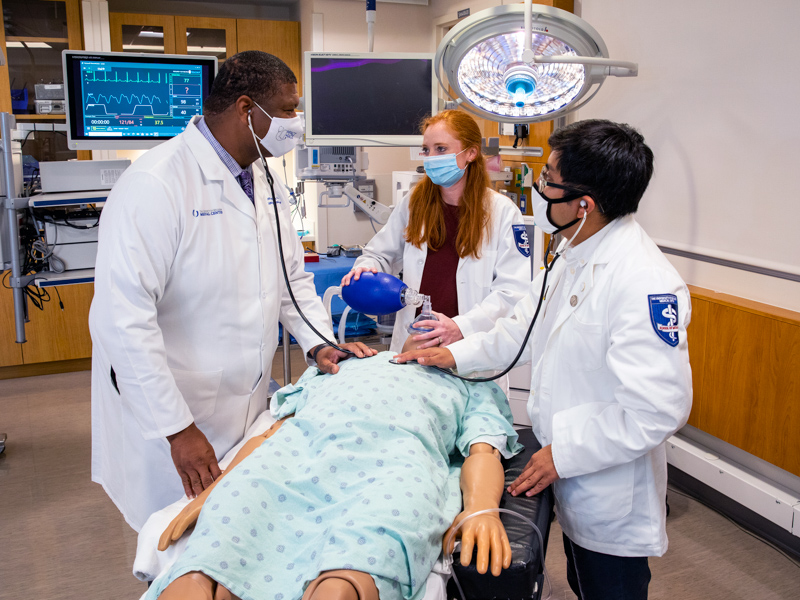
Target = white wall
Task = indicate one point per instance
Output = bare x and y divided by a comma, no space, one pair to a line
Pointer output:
716,99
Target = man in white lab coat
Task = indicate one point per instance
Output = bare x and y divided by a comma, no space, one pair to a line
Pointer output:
189,291
610,367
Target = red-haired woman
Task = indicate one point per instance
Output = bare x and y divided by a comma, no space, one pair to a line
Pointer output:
454,239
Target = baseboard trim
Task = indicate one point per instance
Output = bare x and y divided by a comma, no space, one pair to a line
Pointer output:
46,368
743,516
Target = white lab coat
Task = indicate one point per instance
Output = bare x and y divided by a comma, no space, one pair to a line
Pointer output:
611,390
188,294
488,287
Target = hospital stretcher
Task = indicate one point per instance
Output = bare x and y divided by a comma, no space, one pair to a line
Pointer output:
523,580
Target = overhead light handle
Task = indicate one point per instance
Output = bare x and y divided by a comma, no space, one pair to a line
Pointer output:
618,68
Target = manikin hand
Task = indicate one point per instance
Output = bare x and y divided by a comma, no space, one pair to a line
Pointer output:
194,460
188,516
185,519
482,479
356,274
443,332
486,532
537,474
328,358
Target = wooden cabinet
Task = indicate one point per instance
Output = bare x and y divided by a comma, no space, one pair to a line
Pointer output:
164,34
35,32
10,351
53,334
153,34
206,36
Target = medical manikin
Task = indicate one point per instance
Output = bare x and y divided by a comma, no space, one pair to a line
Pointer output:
350,493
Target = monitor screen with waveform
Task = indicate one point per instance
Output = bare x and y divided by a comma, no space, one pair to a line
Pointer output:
121,100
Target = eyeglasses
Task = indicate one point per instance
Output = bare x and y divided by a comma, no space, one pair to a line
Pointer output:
542,184
572,193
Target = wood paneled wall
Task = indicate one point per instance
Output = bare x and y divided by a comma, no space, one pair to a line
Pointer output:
281,38
745,360
55,334
58,341
10,351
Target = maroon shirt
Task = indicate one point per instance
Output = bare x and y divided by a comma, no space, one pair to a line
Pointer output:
439,273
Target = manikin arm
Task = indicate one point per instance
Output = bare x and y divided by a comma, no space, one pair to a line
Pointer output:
188,516
482,480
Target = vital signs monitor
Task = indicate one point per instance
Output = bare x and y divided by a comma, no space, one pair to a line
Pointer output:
121,100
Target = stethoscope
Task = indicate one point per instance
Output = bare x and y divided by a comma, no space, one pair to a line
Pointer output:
548,266
542,294
271,183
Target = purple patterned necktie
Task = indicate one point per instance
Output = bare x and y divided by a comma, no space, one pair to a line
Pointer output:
246,181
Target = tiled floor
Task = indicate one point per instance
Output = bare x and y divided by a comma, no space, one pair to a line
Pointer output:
62,538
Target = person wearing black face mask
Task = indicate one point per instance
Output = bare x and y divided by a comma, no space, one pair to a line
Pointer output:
610,375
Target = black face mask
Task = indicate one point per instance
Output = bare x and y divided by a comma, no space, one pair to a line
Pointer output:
549,226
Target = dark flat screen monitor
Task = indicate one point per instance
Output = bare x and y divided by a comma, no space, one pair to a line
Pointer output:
120,100
367,99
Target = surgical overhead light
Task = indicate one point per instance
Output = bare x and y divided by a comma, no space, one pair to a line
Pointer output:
522,64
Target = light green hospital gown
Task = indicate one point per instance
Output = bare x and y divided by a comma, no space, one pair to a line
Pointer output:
365,476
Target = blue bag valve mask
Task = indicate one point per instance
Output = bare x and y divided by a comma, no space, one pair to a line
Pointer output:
379,294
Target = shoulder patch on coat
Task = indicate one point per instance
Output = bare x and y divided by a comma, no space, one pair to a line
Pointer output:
521,239
664,316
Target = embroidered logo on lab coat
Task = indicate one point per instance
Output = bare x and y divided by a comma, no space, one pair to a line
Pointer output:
521,238
664,316
207,213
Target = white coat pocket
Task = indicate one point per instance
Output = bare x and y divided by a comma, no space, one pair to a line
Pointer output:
606,495
199,389
583,345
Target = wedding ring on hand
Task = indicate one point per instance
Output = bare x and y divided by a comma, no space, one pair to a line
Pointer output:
440,340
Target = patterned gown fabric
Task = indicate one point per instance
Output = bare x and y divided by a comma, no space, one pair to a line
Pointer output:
365,476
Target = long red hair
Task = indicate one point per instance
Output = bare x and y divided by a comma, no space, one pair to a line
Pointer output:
426,215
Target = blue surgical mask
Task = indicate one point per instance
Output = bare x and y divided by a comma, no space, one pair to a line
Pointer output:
443,170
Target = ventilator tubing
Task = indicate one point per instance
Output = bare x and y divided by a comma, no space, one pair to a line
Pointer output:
379,294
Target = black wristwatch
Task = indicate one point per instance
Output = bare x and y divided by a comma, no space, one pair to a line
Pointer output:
312,354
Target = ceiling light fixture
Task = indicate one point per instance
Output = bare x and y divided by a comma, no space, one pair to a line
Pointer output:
522,64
